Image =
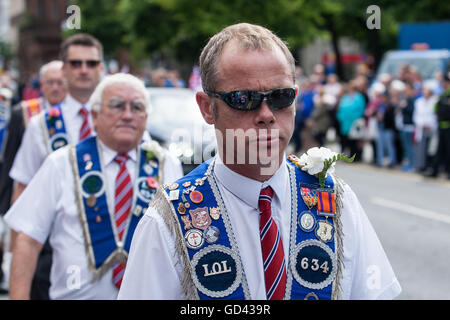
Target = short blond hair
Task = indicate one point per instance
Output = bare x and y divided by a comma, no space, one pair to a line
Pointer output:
248,36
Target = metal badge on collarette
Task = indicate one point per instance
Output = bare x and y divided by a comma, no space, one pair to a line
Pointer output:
324,231
309,196
187,222
214,213
181,208
196,196
211,234
307,221
194,239
200,218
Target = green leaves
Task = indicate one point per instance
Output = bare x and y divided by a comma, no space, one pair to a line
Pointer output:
328,163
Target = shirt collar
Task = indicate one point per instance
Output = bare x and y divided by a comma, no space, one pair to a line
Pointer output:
75,105
109,154
247,189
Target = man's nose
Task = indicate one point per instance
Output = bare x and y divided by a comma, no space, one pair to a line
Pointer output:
265,114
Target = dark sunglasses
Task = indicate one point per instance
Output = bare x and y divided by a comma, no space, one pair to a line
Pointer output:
248,100
89,63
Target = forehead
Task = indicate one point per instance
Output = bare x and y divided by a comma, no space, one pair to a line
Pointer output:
79,52
122,90
253,69
52,73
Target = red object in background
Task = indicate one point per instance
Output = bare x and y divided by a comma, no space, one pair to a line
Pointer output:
345,58
30,93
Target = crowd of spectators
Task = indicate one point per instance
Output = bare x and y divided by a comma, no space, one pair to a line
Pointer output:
390,120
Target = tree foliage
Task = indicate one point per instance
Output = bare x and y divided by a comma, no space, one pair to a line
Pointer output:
181,28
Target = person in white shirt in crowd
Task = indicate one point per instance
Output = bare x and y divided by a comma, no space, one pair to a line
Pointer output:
67,122
88,198
250,223
426,125
54,89
82,67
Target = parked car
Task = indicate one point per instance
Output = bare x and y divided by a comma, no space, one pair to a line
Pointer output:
176,123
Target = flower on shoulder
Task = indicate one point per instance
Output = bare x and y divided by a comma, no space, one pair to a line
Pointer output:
320,161
152,150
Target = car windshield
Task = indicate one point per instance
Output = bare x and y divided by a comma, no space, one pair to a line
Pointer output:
173,109
426,67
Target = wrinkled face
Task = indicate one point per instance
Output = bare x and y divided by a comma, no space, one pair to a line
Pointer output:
120,125
260,70
84,76
53,85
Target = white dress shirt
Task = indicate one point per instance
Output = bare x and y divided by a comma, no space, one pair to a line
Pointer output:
47,207
33,149
153,253
424,115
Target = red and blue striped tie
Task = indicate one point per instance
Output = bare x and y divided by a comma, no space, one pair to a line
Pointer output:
85,130
122,203
272,248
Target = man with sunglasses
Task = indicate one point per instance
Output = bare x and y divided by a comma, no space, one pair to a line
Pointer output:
66,122
95,194
250,224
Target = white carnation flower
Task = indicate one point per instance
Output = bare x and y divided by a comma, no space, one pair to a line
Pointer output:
314,159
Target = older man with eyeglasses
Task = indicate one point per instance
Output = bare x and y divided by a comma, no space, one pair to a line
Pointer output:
250,223
88,198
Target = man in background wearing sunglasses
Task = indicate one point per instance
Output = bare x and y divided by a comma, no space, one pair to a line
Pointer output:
67,122
250,224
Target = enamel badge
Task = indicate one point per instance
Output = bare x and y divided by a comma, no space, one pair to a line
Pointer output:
194,239
307,221
309,196
324,231
200,218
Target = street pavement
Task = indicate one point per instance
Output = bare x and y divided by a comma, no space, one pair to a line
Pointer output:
411,217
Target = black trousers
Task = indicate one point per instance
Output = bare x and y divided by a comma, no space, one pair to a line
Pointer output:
443,153
41,279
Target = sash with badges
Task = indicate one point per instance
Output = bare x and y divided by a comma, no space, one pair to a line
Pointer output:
52,122
313,264
216,265
97,213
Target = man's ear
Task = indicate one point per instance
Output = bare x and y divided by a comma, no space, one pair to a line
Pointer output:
204,103
94,117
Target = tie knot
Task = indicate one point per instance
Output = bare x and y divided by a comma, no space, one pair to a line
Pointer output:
266,192
265,199
83,111
121,158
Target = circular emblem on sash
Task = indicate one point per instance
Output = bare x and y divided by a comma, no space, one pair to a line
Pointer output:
92,184
196,196
144,192
194,239
211,234
216,271
58,141
313,264
306,221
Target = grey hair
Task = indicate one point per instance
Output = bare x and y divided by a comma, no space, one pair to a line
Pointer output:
57,64
248,36
121,78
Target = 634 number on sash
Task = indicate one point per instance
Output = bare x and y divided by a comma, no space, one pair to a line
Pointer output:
314,265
